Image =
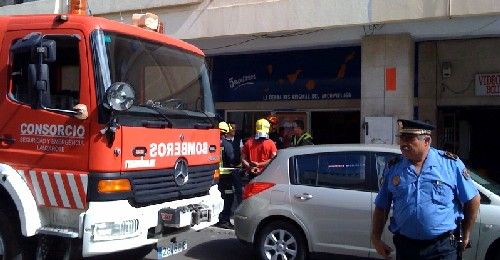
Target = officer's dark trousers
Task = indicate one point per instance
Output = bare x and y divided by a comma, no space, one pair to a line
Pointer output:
231,188
238,185
442,248
226,189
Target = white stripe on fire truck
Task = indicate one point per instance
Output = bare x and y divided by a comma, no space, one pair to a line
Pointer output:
48,187
84,178
36,188
27,178
62,191
74,190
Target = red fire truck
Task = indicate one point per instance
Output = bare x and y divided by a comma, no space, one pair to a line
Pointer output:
108,137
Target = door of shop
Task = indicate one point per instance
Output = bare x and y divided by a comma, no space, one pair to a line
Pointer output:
472,133
335,127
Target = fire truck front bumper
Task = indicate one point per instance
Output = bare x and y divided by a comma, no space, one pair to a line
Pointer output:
116,226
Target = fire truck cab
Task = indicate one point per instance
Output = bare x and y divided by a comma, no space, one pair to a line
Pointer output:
108,136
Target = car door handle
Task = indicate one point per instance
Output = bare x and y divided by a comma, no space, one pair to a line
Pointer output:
304,196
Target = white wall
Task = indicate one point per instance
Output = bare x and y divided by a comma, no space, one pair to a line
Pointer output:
193,19
379,53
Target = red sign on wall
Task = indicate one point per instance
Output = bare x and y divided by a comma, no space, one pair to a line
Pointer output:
390,79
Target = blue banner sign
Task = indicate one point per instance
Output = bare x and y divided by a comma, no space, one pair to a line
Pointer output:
324,74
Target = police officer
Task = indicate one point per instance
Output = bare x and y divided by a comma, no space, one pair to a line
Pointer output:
429,189
300,137
225,184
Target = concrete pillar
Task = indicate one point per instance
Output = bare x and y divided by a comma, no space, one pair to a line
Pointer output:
378,53
427,82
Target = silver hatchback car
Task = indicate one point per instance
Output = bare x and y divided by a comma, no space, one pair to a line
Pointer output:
320,199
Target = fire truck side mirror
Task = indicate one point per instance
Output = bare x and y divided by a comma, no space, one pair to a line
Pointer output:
38,79
40,52
47,51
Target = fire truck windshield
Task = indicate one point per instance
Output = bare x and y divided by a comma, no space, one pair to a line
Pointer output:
164,77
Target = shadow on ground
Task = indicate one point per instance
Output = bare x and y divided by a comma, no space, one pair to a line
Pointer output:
133,254
229,248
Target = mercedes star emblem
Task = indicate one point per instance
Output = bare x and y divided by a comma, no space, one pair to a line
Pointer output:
181,173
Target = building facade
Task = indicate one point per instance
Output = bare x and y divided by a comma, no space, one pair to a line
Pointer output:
348,69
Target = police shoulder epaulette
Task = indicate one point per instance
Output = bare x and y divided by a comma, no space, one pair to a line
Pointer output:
450,155
393,161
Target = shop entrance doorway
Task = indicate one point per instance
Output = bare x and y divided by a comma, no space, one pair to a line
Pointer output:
472,133
335,127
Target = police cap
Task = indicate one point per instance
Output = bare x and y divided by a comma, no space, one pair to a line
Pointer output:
414,127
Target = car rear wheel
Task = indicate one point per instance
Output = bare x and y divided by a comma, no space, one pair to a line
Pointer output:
495,255
281,240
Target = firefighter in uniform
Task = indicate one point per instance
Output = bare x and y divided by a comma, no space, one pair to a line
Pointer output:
429,190
237,143
225,180
258,152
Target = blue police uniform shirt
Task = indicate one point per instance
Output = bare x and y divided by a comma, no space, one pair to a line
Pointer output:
427,205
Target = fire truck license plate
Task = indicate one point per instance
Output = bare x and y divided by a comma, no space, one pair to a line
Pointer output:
172,249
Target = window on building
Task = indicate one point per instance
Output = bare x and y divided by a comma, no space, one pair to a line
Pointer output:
245,121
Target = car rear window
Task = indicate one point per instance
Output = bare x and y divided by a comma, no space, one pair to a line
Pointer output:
335,170
344,170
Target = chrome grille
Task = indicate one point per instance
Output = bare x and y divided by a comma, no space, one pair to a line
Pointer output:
150,187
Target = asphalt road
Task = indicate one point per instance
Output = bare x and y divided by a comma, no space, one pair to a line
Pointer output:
209,244
219,244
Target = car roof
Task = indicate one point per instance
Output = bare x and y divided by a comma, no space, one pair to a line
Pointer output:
323,148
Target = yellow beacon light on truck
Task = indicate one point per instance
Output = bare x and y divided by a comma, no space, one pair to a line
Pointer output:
216,175
118,185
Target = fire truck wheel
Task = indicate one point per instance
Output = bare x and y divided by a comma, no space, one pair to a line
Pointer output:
9,238
73,249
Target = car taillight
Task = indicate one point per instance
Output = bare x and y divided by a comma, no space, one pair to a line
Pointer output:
253,188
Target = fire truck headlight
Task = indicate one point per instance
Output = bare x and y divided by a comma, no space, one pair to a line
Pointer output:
115,230
120,96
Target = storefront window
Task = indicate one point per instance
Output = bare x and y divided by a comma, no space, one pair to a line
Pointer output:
245,121
326,127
